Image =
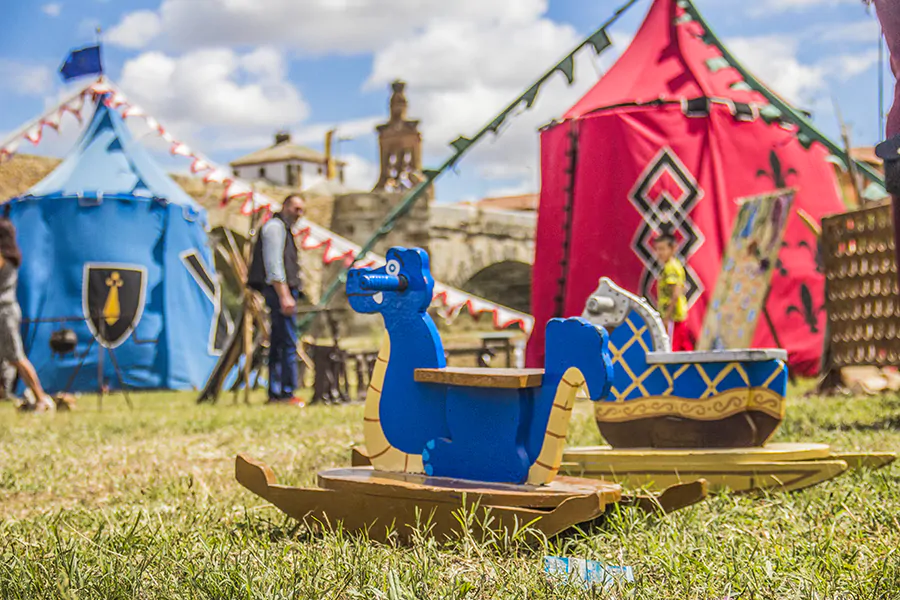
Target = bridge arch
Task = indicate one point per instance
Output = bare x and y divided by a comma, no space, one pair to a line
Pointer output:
507,283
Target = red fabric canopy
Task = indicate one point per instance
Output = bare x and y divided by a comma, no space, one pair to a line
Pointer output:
618,167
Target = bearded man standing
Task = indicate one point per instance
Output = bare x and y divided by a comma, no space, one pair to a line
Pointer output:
275,271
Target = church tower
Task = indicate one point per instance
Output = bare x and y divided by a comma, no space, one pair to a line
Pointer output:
400,146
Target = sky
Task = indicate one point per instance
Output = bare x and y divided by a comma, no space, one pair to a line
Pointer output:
225,75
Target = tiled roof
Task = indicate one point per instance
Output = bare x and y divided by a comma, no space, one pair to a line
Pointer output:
521,202
280,153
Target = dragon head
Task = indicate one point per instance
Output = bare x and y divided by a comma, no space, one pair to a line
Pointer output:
403,285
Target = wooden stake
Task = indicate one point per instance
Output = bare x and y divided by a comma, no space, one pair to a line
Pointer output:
248,321
851,164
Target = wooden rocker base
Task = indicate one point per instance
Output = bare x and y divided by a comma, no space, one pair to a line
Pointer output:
361,499
784,467
675,497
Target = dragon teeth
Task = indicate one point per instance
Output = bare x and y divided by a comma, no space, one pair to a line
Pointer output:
378,297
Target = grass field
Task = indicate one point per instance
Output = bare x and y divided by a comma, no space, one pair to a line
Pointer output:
143,504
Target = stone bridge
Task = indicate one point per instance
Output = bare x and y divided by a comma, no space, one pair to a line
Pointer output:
485,252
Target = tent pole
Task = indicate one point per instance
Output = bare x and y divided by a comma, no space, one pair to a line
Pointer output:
115,364
248,323
80,364
880,82
568,210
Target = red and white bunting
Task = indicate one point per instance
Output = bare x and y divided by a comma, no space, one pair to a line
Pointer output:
199,165
53,120
311,236
35,134
179,149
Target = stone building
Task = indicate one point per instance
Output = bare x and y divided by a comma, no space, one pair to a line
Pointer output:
287,164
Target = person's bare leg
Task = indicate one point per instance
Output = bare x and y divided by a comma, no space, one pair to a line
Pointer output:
29,376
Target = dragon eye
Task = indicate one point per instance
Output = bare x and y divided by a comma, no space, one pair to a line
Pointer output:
393,268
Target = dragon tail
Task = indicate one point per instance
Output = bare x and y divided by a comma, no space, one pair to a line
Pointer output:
382,454
547,463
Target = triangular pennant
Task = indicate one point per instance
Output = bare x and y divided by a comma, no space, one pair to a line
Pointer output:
874,191
431,173
53,120
805,140
741,86
567,67
9,149
133,111
498,122
717,63
531,95
34,134
600,41
199,165
769,113
685,18
461,143
836,160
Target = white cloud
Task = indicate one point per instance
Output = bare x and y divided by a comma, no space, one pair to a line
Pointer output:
773,58
24,78
848,66
461,73
135,30
52,10
342,26
867,31
359,174
768,7
306,134
215,88
355,129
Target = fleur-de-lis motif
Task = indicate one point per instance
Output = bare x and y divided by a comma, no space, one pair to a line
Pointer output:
778,177
806,310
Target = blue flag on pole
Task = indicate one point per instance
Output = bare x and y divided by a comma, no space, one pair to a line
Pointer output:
80,62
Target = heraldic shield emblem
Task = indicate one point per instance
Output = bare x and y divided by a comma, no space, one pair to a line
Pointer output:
113,300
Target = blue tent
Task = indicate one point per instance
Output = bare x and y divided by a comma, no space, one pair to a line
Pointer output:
114,250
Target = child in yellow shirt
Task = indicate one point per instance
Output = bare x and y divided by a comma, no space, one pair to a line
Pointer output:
670,289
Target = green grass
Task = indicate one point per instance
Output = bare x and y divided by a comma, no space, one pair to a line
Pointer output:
143,504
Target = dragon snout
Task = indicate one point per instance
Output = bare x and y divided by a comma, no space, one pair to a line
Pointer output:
383,283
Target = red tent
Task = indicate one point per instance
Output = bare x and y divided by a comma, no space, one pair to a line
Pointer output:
673,134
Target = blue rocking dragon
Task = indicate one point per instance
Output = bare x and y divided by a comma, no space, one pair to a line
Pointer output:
495,425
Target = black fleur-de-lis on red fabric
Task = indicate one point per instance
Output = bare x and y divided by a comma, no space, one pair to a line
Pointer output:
777,175
806,309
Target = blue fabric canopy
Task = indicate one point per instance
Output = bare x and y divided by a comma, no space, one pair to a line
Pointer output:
114,250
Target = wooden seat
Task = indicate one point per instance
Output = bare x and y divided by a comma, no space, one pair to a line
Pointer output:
510,379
